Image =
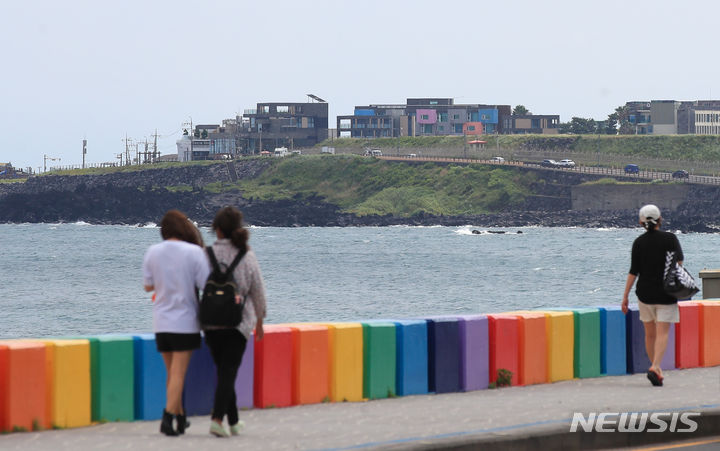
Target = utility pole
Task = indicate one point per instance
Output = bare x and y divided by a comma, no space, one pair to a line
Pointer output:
155,150
45,159
84,151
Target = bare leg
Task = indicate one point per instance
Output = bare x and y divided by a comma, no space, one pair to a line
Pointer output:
650,334
168,360
176,381
661,340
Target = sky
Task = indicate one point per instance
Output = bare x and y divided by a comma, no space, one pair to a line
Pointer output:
104,71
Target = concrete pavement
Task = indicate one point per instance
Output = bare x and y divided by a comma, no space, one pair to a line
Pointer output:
532,417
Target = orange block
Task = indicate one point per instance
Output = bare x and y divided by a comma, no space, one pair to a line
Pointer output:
273,368
709,333
687,336
310,364
532,347
504,354
23,386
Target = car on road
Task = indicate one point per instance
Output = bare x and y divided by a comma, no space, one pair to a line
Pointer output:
549,164
681,174
632,169
566,163
498,159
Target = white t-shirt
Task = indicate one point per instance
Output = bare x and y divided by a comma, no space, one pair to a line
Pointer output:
175,269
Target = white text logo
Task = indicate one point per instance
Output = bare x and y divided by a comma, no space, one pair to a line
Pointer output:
635,422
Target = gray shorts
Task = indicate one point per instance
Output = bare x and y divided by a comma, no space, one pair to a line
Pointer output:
659,313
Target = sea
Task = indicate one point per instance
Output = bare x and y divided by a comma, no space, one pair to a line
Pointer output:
70,279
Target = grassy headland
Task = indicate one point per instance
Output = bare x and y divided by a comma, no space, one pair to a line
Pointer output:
366,186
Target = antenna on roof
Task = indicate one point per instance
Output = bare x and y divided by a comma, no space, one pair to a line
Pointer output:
316,98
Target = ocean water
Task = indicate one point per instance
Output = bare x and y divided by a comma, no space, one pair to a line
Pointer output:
70,279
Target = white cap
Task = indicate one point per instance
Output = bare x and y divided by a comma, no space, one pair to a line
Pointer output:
649,213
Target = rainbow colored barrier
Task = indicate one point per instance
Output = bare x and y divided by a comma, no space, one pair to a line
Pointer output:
71,383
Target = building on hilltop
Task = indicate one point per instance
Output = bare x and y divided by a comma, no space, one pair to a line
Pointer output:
269,125
670,117
419,117
544,124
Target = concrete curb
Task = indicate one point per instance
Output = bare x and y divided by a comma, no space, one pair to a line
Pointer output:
559,437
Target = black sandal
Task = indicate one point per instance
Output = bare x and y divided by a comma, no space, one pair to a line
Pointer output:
654,378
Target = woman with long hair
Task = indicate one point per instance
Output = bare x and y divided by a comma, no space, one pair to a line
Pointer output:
175,269
227,344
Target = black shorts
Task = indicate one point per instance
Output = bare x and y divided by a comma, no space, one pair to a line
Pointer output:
168,341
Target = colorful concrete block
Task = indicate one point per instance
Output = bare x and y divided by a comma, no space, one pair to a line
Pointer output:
69,383
612,341
244,379
709,333
200,382
379,359
637,358
533,348
687,336
474,352
587,342
346,362
561,345
310,364
113,373
23,386
150,378
273,368
412,357
443,355
504,344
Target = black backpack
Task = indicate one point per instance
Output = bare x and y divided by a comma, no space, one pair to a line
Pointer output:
217,305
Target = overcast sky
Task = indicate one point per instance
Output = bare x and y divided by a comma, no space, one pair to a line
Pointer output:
100,70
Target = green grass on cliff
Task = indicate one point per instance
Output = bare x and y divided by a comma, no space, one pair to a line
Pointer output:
369,186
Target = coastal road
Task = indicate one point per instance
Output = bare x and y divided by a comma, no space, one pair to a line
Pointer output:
614,172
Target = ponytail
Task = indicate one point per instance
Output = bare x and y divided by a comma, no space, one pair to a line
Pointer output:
228,220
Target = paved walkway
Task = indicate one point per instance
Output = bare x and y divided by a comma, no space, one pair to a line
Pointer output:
531,417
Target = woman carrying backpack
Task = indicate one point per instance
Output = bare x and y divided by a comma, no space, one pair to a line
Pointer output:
227,344
175,269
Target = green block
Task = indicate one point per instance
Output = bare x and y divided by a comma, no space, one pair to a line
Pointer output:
378,360
587,342
112,372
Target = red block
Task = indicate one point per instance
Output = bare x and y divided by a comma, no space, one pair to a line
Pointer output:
23,386
273,368
504,346
310,364
687,336
709,333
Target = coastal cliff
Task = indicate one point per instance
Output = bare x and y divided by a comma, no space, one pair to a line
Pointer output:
348,191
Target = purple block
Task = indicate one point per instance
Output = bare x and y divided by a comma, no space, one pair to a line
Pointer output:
244,380
474,352
200,382
637,358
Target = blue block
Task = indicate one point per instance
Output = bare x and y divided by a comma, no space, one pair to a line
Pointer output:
612,341
444,355
637,358
150,378
200,383
412,357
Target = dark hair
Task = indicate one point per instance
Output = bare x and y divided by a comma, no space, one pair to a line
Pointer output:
176,225
228,220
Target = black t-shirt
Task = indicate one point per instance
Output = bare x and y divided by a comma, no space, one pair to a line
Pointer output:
648,263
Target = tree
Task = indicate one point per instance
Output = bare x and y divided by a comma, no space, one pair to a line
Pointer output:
204,134
520,110
624,127
580,126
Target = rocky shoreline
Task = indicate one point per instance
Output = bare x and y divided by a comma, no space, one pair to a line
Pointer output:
143,196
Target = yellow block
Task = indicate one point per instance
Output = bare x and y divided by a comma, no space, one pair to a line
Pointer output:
561,342
68,364
346,366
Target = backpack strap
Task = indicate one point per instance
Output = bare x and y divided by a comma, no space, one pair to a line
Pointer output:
231,268
235,261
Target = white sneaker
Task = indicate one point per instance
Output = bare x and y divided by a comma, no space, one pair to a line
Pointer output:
217,430
236,428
